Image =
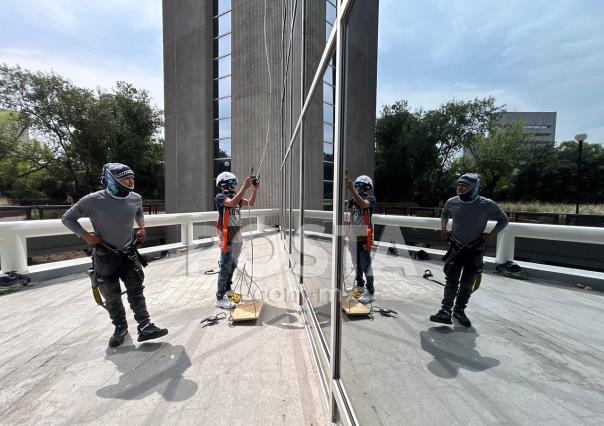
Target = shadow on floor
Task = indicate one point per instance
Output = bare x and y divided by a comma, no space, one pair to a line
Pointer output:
149,368
454,349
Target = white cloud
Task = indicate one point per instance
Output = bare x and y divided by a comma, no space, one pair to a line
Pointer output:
430,96
87,70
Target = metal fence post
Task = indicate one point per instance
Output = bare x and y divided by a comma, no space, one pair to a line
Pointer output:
13,253
506,241
260,223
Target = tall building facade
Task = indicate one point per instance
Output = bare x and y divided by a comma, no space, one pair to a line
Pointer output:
235,74
539,126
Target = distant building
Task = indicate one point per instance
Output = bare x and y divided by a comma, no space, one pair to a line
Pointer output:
541,126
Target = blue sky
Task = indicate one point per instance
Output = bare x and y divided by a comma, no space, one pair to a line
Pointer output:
531,55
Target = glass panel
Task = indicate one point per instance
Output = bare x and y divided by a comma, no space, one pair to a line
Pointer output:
328,188
222,128
327,170
222,148
224,45
328,130
224,24
317,223
328,91
222,165
330,12
328,28
327,151
295,203
328,111
222,66
224,87
328,77
223,6
222,108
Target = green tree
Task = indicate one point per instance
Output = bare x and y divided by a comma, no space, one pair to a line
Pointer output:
495,156
549,173
23,162
416,149
404,156
85,129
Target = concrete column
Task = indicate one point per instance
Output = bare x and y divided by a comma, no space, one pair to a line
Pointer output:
186,233
13,253
260,223
506,241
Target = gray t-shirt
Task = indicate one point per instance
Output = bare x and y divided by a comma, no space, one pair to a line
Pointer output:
112,217
470,219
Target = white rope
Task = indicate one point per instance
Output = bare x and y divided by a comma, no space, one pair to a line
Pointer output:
268,125
270,91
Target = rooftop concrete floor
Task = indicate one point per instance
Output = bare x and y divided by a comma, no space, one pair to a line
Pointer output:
56,368
534,355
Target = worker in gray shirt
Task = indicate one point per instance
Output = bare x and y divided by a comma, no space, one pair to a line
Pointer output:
112,212
470,213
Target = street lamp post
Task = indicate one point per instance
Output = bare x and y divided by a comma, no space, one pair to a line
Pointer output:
579,138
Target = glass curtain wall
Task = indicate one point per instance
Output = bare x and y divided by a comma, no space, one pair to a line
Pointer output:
222,86
329,90
310,151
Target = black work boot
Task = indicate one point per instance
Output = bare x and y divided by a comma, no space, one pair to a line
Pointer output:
118,335
150,331
460,316
442,316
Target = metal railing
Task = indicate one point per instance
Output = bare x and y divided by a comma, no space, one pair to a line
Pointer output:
506,239
14,235
36,211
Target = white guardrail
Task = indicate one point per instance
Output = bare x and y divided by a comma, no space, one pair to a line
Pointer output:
506,239
13,235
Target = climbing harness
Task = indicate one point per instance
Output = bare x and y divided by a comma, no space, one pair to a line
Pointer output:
131,253
456,249
213,319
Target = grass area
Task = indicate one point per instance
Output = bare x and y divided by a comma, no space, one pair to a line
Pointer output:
540,207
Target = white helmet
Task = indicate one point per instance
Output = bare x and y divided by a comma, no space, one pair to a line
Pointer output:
226,177
364,181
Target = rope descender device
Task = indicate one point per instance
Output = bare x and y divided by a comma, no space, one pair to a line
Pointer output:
213,319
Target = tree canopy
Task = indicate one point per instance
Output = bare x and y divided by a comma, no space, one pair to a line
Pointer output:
420,153
73,132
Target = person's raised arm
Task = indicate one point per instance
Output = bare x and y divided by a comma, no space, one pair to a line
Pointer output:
252,201
234,202
360,201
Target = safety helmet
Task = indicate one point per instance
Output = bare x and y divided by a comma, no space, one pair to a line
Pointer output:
226,178
363,182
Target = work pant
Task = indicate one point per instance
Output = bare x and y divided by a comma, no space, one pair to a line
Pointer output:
460,272
109,268
228,265
361,260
